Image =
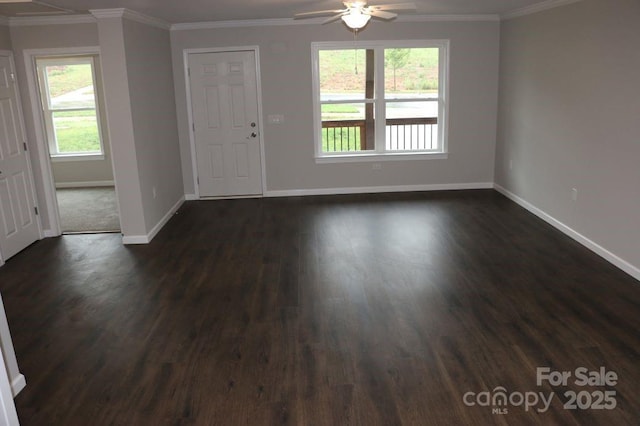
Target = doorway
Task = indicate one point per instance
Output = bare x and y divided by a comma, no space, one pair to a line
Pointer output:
226,131
77,143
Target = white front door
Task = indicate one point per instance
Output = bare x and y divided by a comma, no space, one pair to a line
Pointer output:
18,224
224,103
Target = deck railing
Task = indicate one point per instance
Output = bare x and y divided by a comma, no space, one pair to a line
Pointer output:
344,135
402,134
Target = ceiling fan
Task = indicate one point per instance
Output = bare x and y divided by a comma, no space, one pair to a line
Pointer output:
357,13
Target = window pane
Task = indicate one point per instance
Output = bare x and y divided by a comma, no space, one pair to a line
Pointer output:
345,127
76,132
411,126
353,111
415,109
70,86
344,74
409,98
410,72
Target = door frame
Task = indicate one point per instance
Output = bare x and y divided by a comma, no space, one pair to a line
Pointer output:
8,412
48,182
20,112
192,136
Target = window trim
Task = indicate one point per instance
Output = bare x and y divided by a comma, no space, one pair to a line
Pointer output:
380,101
47,113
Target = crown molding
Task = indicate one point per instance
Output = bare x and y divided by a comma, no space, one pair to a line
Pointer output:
535,8
131,16
207,25
24,21
107,13
146,19
447,18
290,21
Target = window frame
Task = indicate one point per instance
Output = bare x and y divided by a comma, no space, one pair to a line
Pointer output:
47,112
379,101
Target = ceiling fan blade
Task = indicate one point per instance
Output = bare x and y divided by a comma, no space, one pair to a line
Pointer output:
399,6
317,13
334,18
381,14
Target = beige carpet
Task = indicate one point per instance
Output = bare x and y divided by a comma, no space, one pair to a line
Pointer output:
88,209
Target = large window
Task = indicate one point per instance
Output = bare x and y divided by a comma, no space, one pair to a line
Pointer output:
68,90
380,98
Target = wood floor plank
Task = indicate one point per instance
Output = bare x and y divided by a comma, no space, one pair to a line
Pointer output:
380,309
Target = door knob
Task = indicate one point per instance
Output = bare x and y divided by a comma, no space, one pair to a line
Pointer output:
253,135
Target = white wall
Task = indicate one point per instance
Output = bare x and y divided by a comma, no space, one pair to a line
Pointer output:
568,118
120,122
153,108
79,173
285,53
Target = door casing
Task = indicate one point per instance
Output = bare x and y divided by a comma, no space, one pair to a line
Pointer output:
192,141
49,186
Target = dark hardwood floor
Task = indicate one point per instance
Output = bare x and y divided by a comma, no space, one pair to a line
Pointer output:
366,310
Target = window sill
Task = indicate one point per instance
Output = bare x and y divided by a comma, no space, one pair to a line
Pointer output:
358,158
76,157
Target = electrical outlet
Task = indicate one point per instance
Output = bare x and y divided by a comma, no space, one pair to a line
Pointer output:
376,166
574,194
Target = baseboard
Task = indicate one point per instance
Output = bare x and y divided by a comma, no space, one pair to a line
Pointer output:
190,197
378,189
135,239
146,239
154,231
48,233
591,245
87,184
18,384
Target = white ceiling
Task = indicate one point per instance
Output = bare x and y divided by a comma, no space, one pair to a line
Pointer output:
182,11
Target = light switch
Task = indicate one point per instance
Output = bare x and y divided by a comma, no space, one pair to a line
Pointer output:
275,118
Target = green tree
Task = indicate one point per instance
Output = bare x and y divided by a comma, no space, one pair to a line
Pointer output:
396,58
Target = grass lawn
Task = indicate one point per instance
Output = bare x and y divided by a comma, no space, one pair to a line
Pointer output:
67,78
76,131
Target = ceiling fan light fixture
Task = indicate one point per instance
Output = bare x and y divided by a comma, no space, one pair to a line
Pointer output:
355,19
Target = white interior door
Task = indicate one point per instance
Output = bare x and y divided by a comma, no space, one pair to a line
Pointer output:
224,101
18,224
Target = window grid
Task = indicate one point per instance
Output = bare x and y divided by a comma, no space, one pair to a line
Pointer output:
419,135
